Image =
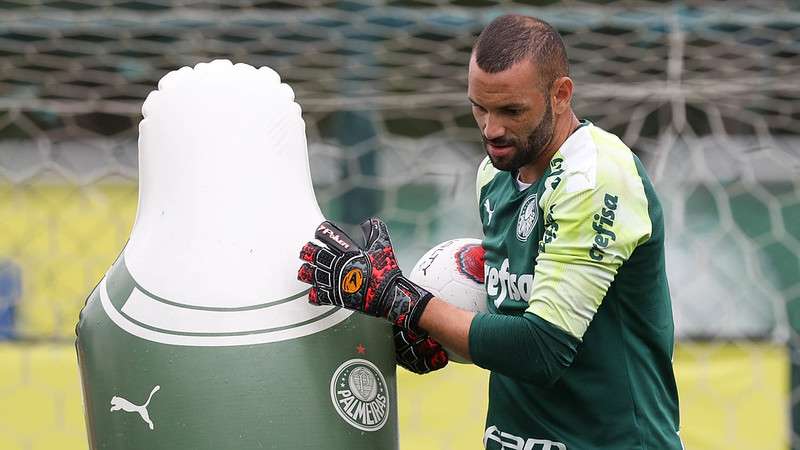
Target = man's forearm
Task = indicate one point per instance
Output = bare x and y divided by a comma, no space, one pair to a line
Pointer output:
524,347
449,325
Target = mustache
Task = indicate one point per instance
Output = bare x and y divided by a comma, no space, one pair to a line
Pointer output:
499,142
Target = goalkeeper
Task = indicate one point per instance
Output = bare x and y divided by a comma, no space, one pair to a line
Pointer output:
580,358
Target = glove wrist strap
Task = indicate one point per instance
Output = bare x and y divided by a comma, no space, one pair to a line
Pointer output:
417,300
416,313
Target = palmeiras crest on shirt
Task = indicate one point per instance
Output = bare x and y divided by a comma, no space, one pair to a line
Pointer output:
526,221
359,394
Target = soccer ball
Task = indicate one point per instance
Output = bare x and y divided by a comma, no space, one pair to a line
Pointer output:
453,271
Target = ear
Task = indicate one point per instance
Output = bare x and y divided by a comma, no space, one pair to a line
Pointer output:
561,94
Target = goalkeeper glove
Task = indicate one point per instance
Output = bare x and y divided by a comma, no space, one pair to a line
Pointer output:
418,353
362,278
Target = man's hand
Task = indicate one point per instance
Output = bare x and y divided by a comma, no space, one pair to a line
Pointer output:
362,278
418,353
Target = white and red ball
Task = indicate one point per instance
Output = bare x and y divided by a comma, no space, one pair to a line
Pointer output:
453,271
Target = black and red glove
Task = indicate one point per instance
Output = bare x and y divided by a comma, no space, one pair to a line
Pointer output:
418,353
362,278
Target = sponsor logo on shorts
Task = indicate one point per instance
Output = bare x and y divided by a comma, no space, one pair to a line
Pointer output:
511,442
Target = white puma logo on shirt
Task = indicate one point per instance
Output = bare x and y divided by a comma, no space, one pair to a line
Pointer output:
118,403
488,207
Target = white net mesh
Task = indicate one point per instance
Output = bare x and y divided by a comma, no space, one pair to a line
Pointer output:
706,93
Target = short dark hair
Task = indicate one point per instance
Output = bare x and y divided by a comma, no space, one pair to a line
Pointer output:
512,38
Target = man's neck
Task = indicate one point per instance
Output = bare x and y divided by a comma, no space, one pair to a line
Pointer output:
565,125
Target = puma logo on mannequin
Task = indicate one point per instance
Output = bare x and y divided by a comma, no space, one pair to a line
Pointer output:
118,403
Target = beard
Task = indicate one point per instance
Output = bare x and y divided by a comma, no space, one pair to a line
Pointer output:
524,152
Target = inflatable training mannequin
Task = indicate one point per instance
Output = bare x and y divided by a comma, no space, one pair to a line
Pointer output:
199,336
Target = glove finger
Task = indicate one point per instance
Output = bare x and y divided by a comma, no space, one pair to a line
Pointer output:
376,233
418,353
417,367
336,239
404,338
404,348
419,363
438,360
323,296
410,360
319,256
433,353
400,342
309,252
370,230
315,275
413,337
313,298
429,347
306,273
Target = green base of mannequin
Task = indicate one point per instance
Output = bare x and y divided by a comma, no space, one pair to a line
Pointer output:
273,396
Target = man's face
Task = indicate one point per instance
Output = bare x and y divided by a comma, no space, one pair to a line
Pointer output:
513,112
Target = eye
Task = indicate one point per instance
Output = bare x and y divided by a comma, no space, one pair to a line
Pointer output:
512,111
478,107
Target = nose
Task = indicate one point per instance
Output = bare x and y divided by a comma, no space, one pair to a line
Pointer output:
493,128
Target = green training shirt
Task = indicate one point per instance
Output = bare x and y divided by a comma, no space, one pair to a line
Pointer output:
576,261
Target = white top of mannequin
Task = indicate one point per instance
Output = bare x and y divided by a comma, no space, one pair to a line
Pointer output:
225,194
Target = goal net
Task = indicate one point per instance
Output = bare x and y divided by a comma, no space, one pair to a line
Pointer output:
706,93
